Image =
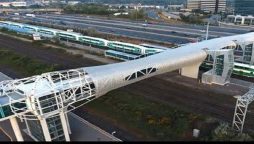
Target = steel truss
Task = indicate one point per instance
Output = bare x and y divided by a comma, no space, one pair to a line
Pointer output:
241,108
64,88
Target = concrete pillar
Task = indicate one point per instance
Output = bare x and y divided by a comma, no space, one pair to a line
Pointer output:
65,127
191,70
16,129
45,129
243,19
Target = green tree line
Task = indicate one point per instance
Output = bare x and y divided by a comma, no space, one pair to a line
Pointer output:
155,2
88,9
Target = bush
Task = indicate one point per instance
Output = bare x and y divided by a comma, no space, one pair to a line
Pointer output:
151,118
23,64
225,133
191,19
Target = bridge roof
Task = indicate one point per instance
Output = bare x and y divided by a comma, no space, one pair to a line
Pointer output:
166,61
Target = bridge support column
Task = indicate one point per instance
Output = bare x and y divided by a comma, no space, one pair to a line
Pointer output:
65,127
68,123
242,22
45,129
16,129
191,71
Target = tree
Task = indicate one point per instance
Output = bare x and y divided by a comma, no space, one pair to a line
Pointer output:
137,14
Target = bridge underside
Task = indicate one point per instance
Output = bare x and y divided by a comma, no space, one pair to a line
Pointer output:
191,71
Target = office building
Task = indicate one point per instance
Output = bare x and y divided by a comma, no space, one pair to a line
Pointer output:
207,5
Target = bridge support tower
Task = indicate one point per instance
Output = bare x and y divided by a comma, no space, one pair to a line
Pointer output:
222,67
241,109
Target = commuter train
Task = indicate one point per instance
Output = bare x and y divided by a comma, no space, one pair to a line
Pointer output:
240,69
79,38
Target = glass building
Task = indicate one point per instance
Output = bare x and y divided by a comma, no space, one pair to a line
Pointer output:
243,7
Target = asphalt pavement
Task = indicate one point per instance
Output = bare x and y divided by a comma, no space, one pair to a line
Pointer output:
170,33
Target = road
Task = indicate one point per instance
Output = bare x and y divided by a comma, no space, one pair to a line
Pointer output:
119,31
15,10
186,27
178,34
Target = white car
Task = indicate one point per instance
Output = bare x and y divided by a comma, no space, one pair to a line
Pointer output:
144,25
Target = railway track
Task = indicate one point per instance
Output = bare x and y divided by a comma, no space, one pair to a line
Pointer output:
218,105
249,79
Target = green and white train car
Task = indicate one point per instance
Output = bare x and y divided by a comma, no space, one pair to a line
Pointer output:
239,69
4,24
98,42
243,69
47,32
30,28
125,47
131,48
68,36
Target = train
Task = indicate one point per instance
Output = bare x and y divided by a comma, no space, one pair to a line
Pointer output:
240,69
79,38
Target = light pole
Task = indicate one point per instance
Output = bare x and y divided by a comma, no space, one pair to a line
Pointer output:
207,29
136,14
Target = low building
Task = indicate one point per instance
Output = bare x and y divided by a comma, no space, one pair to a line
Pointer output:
171,16
18,4
124,13
175,7
240,20
73,2
5,4
14,4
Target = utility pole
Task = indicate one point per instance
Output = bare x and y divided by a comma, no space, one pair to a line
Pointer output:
170,6
136,14
207,29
